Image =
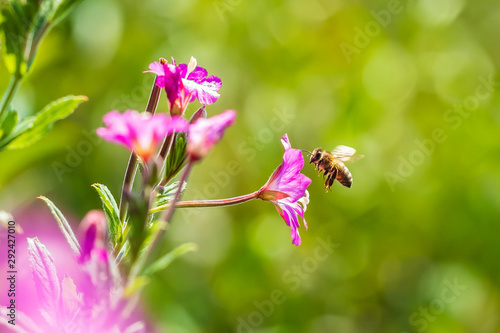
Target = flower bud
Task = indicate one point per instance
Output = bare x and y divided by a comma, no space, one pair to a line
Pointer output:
201,113
93,231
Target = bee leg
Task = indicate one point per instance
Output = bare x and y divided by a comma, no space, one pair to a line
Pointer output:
331,179
326,183
327,171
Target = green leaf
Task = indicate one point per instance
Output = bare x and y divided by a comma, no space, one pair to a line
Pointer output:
64,8
17,20
8,123
63,225
19,129
167,259
123,252
136,285
151,234
44,120
167,194
112,213
24,24
176,159
49,13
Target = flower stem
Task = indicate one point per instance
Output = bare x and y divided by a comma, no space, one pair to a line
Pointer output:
209,203
9,93
167,143
128,180
167,214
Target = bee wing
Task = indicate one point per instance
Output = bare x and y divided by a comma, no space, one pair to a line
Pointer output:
345,153
350,158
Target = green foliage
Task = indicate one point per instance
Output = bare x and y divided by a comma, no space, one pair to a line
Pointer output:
112,213
31,129
166,194
165,260
24,24
137,224
7,124
176,159
63,226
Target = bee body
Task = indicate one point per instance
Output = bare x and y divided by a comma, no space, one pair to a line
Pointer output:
332,165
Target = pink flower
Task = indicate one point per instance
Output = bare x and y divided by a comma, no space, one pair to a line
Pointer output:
205,133
91,304
185,83
196,81
140,133
286,188
171,77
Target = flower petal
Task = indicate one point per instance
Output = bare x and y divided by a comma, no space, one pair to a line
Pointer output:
139,132
46,281
205,133
205,91
156,68
70,299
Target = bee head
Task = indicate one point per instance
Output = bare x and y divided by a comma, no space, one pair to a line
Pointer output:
316,155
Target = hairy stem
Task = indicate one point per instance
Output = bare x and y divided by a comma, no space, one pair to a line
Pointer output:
209,203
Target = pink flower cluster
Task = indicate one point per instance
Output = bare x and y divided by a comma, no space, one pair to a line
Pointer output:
142,134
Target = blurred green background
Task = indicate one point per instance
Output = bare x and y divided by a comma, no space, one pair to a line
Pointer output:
404,82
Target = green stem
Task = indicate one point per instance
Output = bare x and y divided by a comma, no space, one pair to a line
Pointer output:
128,180
167,143
209,203
166,216
34,45
9,93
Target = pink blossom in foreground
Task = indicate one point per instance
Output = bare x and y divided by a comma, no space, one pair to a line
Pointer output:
91,300
140,133
205,133
286,188
186,82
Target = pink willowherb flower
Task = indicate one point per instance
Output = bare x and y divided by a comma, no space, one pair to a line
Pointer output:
196,81
90,303
205,133
286,188
186,82
170,77
140,133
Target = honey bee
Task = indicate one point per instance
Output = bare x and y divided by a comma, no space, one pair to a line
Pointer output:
332,164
